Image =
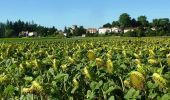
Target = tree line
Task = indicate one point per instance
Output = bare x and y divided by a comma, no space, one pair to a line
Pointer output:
77,31
13,29
141,25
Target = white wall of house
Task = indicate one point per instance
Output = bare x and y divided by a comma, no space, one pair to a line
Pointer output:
115,30
32,34
127,30
65,34
83,35
105,30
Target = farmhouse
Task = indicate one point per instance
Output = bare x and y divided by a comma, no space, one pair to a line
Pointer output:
91,30
65,34
30,34
116,30
127,30
105,30
23,34
109,30
27,34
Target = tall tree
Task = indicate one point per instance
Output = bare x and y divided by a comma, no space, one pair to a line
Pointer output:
164,22
124,20
115,24
143,22
155,23
79,31
107,25
134,23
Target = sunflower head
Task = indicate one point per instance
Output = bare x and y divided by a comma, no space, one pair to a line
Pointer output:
137,80
91,55
109,65
99,62
159,80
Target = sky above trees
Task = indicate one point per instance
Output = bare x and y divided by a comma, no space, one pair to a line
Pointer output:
89,13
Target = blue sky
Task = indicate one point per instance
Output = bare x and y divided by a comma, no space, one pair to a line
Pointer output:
89,13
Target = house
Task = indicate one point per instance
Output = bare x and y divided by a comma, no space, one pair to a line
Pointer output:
83,35
129,29
27,34
116,30
23,34
32,34
105,30
65,34
72,29
91,30
109,30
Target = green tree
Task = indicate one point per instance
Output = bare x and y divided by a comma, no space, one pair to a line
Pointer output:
155,22
107,25
143,22
125,21
164,22
2,30
134,23
79,31
9,33
115,24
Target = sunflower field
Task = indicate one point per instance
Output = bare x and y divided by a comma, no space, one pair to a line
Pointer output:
109,68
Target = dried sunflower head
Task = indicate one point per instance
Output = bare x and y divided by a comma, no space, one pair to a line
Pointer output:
75,82
91,55
86,72
137,61
152,61
137,80
159,80
3,78
126,83
99,62
109,65
36,87
27,90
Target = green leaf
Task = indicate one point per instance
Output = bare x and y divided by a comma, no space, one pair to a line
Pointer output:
61,76
90,94
9,90
130,94
96,85
152,95
111,98
109,90
28,79
74,89
165,97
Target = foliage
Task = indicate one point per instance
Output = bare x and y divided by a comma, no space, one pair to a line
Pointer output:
125,20
90,68
12,29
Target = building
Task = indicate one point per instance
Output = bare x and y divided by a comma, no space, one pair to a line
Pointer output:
91,30
32,34
27,34
105,30
109,30
127,30
65,34
23,34
116,30
83,35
